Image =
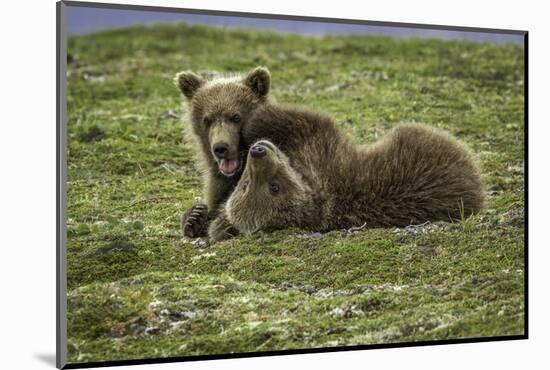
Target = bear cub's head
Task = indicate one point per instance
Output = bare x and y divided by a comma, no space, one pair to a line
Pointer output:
271,194
219,108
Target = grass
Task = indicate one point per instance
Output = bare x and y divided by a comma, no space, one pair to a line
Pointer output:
137,290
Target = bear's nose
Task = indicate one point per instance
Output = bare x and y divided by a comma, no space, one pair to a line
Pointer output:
258,151
220,150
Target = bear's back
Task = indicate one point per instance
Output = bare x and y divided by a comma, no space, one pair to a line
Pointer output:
417,173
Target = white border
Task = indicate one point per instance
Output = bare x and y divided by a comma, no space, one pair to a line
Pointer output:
28,182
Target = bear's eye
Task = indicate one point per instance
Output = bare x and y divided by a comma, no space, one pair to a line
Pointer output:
236,118
207,121
274,188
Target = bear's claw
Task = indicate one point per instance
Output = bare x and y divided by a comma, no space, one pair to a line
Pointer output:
194,221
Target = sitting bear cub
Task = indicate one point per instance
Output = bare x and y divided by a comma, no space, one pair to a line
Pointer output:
307,175
219,108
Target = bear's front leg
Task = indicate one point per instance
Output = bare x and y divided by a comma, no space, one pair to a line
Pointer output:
194,222
220,229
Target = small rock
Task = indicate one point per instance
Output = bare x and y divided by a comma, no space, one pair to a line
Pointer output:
324,293
168,115
345,312
307,289
516,170
152,330
332,88
337,312
93,77
137,326
154,304
199,242
328,293
403,235
398,288
514,217
284,286
183,315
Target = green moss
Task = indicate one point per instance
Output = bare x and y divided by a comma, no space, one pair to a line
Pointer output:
137,290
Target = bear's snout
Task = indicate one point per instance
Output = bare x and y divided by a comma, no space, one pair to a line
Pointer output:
258,151
220,150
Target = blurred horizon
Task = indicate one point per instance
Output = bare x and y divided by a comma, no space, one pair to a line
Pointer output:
86,20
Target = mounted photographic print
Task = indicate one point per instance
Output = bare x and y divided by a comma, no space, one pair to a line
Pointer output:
236,185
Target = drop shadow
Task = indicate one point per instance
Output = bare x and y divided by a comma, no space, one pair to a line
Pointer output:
47,358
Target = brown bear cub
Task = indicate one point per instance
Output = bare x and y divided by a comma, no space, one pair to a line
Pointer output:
219,109
307,175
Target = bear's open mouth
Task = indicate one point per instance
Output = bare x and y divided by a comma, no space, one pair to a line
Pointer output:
229,166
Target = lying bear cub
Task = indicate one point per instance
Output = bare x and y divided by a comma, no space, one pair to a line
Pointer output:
307,175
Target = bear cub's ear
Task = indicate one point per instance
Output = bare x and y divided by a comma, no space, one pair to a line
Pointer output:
188,83
259,81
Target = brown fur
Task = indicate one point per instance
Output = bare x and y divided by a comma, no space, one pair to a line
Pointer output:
414,174
219,109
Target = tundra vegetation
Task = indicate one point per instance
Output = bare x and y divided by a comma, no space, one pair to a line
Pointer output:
136,289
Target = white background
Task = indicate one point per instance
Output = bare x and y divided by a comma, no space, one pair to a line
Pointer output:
27,180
